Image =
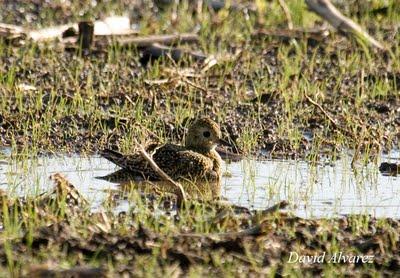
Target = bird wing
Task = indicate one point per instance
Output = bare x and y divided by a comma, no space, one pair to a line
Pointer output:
174,160
178,162
133,163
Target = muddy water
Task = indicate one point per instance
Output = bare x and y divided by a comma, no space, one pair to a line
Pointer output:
313,191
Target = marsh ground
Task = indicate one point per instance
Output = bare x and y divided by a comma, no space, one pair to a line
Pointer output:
53,100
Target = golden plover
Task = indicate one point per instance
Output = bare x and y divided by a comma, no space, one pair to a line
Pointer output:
197,160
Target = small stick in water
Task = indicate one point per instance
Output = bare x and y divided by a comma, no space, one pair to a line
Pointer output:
181,192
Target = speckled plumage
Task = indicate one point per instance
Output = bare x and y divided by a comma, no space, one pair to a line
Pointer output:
197,160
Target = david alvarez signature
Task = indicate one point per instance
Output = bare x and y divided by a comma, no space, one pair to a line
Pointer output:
334,258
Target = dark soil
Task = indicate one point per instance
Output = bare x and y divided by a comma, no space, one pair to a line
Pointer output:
251,97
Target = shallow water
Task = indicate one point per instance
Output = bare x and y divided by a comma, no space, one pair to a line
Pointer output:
313,191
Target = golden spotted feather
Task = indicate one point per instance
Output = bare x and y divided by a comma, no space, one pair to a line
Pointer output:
197,160
176,161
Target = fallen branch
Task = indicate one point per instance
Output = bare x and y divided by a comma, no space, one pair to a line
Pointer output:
326,10
110,26
12,33
51,33
146,41
156,51
181,192
9,29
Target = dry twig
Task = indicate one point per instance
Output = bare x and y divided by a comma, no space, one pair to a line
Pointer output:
180,191
146,41
156,51
326,10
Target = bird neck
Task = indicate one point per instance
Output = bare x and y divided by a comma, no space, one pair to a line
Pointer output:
199,149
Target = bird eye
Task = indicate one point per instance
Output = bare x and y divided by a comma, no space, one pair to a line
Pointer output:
206,134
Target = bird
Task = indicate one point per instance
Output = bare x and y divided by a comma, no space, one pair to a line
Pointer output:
196,160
